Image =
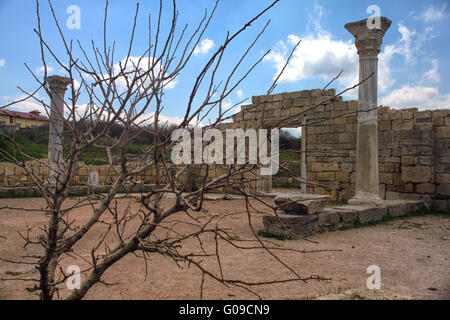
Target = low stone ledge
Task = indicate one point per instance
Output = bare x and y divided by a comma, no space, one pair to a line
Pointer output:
329,219
291,226
306,204
18,192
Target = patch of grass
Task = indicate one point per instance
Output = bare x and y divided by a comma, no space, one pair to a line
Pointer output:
290,155
226,198
286,186
35,144
269,235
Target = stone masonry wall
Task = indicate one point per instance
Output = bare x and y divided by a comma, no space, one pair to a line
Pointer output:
414,149
15,176
414,146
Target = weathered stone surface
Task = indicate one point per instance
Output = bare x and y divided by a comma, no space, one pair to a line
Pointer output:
443,178
443,190
397,208
440,205
302,204
365,213
425,188
443,132
416,174
329,219
290,226
347,214
372,214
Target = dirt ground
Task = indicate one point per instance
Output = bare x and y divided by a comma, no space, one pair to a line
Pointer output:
413,255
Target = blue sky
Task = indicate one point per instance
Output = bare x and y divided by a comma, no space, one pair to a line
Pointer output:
414,63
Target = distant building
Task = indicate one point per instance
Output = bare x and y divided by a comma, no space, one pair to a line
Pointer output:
18,120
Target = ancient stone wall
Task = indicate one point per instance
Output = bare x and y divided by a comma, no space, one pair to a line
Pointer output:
414,146
15,176
414,149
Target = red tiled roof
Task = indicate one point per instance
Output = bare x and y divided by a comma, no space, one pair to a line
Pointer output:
33,115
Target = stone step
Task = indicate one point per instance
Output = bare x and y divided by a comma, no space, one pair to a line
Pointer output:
304,204
292,226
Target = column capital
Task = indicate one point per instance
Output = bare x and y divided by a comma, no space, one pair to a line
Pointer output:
57,84
368,40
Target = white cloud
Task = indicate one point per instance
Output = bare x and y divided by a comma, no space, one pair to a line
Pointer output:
149,118
432,75
205,46
41,70
321,56
318,56
434,14
240,93
421,97
27,105
2,62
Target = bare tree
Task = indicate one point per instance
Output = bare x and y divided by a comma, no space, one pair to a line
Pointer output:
124,93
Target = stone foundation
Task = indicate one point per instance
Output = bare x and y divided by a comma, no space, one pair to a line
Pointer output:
333,218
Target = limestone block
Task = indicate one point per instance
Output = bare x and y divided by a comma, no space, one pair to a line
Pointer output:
443,178
392,159
341,120
416,174
443,190
384,125
395,115
342,176
425,188
325,167
328,176
9,169
352,105
445,160
372,214
291,226
347,216
440,205
329,219
422,115
407,115
389,167
386,178
397,208
409,188
437,122
443,132
306,204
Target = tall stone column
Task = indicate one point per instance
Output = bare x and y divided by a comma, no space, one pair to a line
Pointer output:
368,42
58,86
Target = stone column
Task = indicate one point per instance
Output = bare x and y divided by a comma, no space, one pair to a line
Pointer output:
368,42
57,87
303,156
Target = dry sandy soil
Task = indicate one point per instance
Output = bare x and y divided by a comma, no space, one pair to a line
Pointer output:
413,255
